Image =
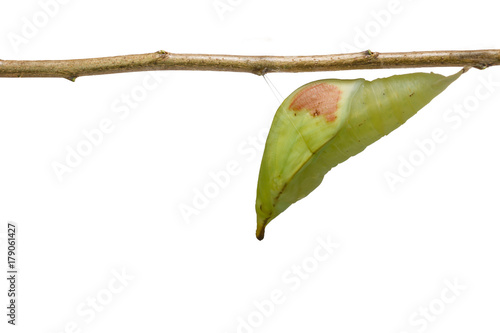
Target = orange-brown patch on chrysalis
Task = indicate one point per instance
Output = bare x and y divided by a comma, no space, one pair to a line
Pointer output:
318,99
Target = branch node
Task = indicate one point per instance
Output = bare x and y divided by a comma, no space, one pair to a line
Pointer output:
371,54
261,72
162,53
482,66
71,78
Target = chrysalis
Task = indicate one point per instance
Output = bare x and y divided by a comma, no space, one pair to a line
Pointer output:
323,123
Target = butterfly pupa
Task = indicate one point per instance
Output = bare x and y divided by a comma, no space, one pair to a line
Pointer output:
323,123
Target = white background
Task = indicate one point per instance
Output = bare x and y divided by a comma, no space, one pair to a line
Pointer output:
118,211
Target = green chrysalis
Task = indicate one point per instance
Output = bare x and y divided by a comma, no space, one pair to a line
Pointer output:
323,123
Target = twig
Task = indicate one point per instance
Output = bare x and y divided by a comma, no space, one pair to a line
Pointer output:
161,60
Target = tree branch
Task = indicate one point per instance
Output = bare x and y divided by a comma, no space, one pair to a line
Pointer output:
259,65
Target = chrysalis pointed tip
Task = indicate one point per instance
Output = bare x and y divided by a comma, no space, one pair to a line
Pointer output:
261,227
260,233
